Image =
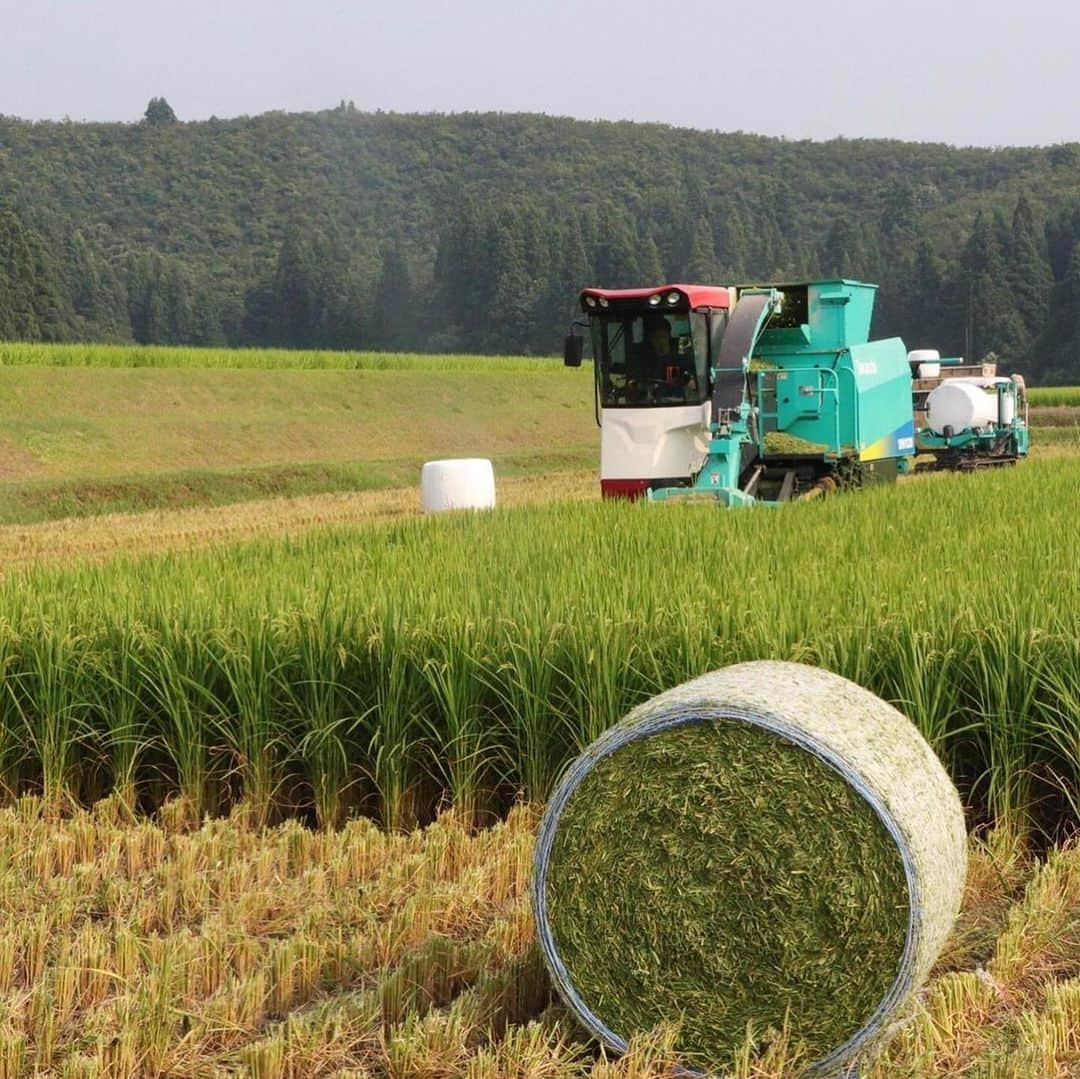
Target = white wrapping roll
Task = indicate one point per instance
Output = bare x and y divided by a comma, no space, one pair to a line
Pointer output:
962,404
466,483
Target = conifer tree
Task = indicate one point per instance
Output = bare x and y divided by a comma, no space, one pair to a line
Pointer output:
1027,271
992,325
1056,355
393,314
701,264
617,251
650,264
731,232
460,277
29,297
926,304
179,303
159,111
295,299
570,273
842,255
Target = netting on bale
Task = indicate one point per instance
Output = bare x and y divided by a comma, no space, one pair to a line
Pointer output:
769,847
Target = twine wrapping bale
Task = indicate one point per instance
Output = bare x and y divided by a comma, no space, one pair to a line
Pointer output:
768,847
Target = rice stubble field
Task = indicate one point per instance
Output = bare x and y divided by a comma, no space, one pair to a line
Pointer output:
139,947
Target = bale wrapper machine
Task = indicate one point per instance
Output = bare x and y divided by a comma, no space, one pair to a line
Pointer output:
972,421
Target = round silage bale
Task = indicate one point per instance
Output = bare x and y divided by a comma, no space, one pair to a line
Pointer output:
768,847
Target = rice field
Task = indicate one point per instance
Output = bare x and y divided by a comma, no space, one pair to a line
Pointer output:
137,948
28,354
19,354
1054,396
391,669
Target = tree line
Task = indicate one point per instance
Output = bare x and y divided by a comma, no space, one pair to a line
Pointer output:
462,233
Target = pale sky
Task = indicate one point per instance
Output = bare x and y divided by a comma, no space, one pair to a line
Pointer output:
985,72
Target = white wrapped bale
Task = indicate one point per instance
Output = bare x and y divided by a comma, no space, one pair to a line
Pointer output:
456,484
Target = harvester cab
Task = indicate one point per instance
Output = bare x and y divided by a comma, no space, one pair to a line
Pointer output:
654,353
775,393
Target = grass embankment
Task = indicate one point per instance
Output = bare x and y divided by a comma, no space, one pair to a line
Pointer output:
91,440
1054,415
147,948
384,668
190,492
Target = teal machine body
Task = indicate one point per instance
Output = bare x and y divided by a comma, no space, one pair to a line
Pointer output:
803,401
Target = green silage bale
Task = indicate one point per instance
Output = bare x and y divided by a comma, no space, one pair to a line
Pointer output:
767,848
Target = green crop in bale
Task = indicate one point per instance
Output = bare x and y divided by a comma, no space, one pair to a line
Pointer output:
767,849
719,873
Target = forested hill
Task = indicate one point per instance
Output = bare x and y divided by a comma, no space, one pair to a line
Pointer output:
474,231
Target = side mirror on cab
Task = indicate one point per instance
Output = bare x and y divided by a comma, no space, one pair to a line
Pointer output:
573,348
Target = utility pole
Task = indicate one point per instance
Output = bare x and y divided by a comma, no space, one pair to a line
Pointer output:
969,329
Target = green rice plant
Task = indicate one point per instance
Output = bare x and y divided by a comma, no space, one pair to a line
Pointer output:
595,664
1057,722
1005,674
325,715
121,718
12,744
174,673
398,701
463,742
245,665
523,686
1049,396
54,699
923,679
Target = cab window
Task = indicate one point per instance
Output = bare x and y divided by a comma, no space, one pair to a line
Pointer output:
649,360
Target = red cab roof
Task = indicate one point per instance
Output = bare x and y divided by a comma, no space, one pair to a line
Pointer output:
698,295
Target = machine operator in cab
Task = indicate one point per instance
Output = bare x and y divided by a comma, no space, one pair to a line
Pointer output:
659,364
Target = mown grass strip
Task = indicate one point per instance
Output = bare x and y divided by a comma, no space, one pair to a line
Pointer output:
33,501
1059,439
104,536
